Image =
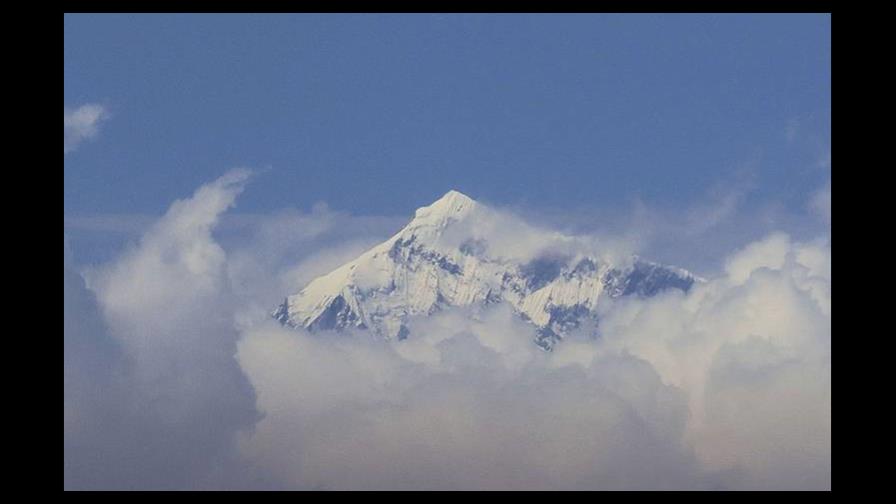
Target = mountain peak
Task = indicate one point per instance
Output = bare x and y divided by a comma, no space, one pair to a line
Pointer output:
453,206
454,193
453,199
422,269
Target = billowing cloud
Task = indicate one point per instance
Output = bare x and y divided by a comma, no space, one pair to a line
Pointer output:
167,312
81,124
91,362
752,350
727,386
470,404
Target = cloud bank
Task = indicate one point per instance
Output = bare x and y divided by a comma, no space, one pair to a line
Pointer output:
170,395
175,376
81,124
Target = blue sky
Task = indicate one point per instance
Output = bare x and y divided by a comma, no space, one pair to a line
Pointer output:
697,141
381,114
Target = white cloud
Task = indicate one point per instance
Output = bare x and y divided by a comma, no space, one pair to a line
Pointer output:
770,252
752,351
280,253
167,312
154,396
169,304
696,236
508,236
81,124
727,386
465,406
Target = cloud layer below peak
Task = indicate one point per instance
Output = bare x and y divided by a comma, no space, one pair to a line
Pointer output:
176,377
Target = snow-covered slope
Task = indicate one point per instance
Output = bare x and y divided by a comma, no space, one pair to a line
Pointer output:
457,252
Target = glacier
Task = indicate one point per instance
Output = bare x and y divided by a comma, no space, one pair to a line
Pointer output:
451,255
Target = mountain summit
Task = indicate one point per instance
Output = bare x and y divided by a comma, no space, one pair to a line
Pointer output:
457,252
430,221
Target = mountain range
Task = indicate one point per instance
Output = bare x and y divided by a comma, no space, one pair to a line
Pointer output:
457,252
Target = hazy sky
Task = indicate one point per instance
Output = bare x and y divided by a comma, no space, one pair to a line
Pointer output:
378,115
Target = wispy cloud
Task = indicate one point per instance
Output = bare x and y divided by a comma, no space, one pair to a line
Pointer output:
821,202
128,224
80,124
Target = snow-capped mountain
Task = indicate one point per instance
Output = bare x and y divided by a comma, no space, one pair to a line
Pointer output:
457,252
